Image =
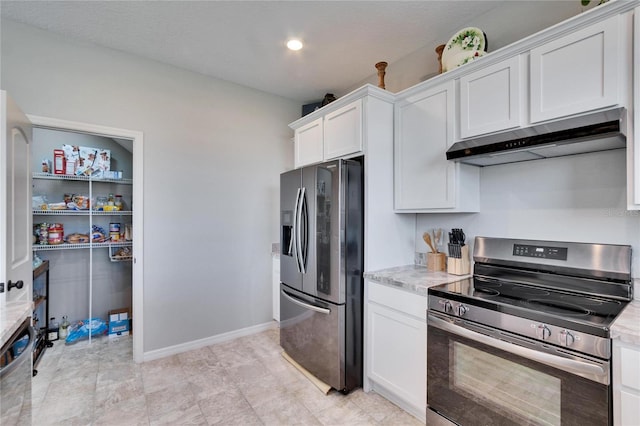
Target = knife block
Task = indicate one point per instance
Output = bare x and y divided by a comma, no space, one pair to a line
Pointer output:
460,266
436,262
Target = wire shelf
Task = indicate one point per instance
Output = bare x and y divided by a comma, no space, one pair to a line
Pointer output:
80,178
123,254
67,246
82,212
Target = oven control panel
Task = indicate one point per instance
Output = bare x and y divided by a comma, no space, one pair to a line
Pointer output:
544,332
543,252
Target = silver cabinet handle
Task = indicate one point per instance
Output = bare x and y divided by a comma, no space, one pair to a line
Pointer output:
304,304
586,369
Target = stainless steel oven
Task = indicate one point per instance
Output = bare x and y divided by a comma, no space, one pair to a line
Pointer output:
526,340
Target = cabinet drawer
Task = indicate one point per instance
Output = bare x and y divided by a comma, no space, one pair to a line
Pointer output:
398,299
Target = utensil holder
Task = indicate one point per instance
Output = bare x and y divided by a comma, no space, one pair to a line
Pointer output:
460,266
436,262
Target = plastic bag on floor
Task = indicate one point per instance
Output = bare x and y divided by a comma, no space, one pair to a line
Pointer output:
80,330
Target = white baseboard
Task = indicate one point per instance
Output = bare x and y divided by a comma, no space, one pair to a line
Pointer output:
197,344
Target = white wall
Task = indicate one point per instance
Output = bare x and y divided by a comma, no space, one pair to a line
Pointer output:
579,198
213,152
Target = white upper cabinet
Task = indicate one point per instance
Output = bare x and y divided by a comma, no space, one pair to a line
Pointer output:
308,143
343,131
337,130
576,73
633,151
424,180
490,99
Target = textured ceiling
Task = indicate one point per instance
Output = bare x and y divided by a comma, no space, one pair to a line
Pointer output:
243,41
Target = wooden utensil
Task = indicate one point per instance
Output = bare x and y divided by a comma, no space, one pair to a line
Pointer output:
437,238
427,239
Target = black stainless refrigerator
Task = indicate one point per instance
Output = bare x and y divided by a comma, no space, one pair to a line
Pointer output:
321,266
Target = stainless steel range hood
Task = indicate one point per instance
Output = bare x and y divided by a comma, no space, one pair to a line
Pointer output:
598,131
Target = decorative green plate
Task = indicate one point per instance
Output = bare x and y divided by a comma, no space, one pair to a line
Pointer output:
466,45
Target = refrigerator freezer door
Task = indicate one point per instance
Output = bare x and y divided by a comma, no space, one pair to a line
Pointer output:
312,332
290,191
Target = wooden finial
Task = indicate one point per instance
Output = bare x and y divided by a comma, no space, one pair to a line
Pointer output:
381,67
439,51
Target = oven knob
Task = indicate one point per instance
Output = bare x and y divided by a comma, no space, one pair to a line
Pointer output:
461,310
448,308
543,332
566,338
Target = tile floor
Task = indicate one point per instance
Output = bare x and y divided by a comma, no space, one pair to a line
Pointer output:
242,382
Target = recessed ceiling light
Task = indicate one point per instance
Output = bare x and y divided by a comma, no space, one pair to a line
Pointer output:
294,44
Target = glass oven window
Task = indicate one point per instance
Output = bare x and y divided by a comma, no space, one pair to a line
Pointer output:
520,393
472,383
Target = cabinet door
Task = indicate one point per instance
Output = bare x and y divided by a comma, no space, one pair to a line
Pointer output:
308,143
633,138
490,99
343,131
576,73
626,384
629,409
423,178
396,349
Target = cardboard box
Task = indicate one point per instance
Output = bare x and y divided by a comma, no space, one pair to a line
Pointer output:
88,161
59,162
119,322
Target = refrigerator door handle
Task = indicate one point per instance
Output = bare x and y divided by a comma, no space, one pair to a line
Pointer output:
292,247
305,304
301,250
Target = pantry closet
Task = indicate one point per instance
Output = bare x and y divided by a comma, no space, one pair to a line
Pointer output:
90,268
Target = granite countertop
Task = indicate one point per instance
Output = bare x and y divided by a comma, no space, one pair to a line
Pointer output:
417,279
626,327
414,278
13,314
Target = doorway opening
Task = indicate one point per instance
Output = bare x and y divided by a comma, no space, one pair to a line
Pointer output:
108,266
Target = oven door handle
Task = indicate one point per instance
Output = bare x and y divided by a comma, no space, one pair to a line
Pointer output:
584,368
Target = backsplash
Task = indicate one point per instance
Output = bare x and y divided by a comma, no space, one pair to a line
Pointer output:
579,198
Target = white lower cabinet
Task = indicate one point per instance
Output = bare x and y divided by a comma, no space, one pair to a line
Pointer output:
626,384
396,347
275,283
